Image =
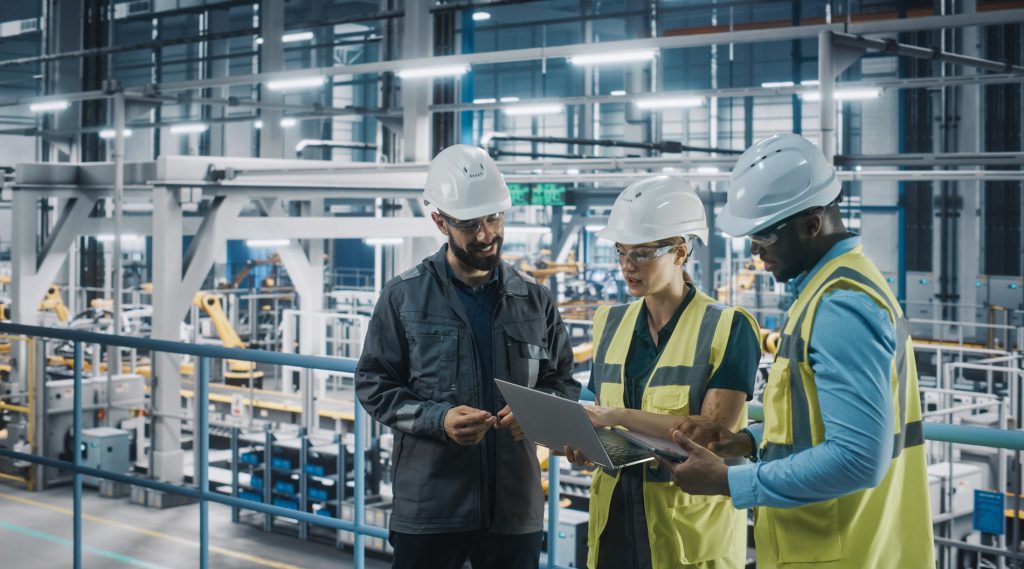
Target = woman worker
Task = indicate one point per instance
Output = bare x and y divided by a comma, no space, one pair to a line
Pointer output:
673,358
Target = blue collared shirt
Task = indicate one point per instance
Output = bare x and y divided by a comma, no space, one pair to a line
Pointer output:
852,346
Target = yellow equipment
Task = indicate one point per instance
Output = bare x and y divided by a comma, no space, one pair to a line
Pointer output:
237,369
53,301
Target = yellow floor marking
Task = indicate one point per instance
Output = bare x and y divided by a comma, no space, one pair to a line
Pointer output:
152,533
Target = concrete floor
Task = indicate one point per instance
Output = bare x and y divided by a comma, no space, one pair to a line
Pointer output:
36,531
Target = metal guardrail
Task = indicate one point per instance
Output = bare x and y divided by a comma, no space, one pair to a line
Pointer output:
958,434
202,492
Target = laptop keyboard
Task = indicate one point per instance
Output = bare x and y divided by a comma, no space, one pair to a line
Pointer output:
619,450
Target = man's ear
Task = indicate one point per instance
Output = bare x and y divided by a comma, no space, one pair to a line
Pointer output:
439,222
811,226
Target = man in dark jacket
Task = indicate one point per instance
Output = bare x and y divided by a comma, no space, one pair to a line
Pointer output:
466,483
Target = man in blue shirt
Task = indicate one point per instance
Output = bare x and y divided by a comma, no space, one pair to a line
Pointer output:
859,441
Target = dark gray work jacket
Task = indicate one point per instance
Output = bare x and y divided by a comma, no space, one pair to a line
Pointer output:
419,360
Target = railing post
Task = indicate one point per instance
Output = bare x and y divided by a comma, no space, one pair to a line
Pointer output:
359,497
202,434
76,454
235,513
553,494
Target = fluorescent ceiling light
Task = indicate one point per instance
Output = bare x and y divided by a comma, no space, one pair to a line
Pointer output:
707,170
440,71
49,106
288,122
481,16
617,93
267,242
669,102
810,83
509,99
527,229
593,228
774,84
258,124
383,240
485,101
108,133
845,94
297,83
109,238
294,37
540,109
669,169
572,171
189,128
613,57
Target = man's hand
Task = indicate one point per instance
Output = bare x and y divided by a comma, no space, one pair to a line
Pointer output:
576,457
467,426
711,434
507,420
702,473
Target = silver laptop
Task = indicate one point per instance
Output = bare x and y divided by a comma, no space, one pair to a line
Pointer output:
555,423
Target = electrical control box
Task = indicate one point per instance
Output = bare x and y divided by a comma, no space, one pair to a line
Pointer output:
105,448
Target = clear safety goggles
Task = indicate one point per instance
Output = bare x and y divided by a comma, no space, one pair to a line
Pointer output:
768,237
473,225
643,255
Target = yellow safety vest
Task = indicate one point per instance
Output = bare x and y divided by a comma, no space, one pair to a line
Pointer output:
682,529
888,526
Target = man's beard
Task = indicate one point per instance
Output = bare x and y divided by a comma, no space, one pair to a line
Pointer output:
479,263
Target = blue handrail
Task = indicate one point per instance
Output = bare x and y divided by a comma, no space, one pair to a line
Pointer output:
960,434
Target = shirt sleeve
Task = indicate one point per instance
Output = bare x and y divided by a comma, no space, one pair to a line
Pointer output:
852,375
738,369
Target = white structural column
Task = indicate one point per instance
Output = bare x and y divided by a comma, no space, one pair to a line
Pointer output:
827,103
271,59
166,451
417,38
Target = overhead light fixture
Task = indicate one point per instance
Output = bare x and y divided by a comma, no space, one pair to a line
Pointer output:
527,229
109,133
288,122
49,106
617,93
509,100
481,16
775,84
109,238
707,170
296,83
651,103
189,128
539,109
267,242
858,94
669,169
572,171
810,83
257,124
383,240
613,57
440,71
485,101
593,228
294,37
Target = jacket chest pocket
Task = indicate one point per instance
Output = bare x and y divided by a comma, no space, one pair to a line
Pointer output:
525,352
433,352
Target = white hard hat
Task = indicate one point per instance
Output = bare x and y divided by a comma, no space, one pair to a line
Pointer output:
464,182
775,178
654,209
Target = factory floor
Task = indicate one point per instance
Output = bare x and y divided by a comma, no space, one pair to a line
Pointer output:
36,530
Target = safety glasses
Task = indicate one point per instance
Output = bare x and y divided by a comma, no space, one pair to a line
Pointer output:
642,256
768,237
473,225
